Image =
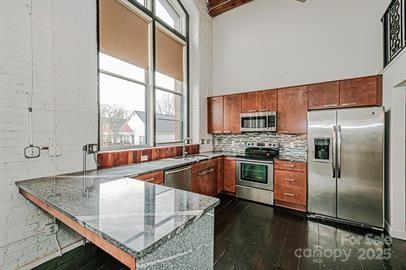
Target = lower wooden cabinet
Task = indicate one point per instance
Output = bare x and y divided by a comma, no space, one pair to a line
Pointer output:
290,188
229,175
205,177
155,177
220,174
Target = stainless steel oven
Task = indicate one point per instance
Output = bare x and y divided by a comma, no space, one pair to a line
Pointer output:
255,122
255,180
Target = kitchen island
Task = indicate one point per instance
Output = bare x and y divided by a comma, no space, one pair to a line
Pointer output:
143,225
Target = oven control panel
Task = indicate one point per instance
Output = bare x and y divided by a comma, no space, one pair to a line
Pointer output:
263,144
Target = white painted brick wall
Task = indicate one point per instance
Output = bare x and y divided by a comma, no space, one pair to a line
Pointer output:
76,107
201,34
76,113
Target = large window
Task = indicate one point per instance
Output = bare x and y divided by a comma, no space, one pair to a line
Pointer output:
142,73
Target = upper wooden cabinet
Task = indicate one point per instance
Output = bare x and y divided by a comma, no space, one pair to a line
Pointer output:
365,91
292,110
215,109
249,102
232,110
267,100
324,95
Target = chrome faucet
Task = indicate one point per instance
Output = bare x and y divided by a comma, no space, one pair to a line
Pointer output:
186,140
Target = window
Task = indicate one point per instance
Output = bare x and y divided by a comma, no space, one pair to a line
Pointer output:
135,109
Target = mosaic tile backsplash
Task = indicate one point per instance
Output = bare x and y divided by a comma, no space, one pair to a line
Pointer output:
291,146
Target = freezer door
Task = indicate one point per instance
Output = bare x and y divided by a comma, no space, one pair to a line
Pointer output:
321,169
360,165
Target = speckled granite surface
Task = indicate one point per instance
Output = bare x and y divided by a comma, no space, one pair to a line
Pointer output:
135,216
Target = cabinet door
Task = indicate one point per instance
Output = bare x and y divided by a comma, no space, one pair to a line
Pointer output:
215,111
267,100
249,102
232,110
324,95
229,175
199,183
212,175
366,91
220,174
292,110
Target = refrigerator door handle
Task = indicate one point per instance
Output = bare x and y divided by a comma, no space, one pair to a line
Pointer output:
333,154
339,152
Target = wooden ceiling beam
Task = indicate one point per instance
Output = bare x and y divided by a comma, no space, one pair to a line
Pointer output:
217,7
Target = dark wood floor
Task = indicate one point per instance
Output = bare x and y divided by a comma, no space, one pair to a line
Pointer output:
254,236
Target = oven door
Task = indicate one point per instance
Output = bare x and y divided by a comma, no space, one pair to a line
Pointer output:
254,173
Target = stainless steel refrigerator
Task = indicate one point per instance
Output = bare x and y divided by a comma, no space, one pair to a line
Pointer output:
346,165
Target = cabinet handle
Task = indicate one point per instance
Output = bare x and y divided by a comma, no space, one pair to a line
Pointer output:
289,194
206,171
330,105
289,165
252,110
227,131
290,179
149,179
217,131
351,103
262,110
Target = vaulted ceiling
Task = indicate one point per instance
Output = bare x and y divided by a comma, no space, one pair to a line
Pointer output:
217,7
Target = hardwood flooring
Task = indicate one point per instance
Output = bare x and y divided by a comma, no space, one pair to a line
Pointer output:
254,236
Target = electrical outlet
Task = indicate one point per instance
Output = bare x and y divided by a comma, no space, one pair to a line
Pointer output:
32,151
51,228
144,158
91,148
202,141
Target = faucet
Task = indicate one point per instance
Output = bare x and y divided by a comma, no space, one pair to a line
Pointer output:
186,140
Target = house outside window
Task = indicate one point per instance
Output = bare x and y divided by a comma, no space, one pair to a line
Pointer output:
142,73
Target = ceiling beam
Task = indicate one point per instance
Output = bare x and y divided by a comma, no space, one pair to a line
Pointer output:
217,7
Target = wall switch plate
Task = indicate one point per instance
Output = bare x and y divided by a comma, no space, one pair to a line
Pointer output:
32,151
51,228
144,158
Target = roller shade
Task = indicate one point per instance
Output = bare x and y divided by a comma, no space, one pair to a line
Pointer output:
169,55
123,34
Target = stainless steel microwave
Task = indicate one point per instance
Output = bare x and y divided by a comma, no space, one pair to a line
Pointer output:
256,122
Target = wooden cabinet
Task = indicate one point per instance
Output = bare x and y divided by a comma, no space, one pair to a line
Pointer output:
292,110
155,177
205,177
324,95
215,109
290,184
365,91
232,110
220,174
267,100
229,175
249,102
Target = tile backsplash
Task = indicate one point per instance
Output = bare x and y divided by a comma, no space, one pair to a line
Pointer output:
291,146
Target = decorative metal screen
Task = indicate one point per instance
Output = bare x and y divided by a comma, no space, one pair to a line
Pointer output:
394,25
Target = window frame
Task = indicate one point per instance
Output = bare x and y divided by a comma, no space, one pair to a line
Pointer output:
148,12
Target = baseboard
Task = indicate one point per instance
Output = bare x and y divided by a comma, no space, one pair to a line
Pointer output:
51,256
398,234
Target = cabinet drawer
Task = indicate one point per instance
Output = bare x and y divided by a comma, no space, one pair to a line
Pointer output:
204,165
290,165
290,178
294,195
155,177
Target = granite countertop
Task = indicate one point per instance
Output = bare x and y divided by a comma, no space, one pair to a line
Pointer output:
133,215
